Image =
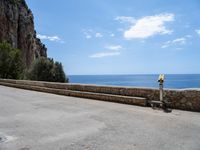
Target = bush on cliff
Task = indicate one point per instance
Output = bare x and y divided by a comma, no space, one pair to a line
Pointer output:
10,62
45,69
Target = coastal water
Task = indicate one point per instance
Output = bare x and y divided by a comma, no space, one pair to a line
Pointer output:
174,81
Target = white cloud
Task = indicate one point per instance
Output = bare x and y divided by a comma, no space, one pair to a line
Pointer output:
114,47
123,19
112,50
112,35
188,36
166,44
149,26
87,33
88,36
90,33
98,35
50,38
178,41
104,54
198,31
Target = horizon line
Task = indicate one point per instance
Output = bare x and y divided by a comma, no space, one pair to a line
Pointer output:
135,74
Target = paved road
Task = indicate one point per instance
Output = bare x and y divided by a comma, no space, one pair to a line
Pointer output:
39,121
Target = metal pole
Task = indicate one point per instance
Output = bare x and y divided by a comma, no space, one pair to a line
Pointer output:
161,91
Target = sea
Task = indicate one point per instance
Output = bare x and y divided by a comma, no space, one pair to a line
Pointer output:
172,81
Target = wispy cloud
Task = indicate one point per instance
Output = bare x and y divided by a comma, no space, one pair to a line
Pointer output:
87,33
114,47
88,36
178,41
90,33
98,35
123,19
198,31
104,54
111,50
112,35
148,26
188,36
50,38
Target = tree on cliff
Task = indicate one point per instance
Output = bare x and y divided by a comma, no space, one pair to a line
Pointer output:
59,73
44,69
10,62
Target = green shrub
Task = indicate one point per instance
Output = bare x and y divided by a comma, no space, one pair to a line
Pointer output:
10,62
44,69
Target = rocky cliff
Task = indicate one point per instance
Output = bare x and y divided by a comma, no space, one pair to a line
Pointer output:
17,28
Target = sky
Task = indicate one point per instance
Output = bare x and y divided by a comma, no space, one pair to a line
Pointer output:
97,37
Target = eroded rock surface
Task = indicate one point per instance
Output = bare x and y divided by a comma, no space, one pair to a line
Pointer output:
17,28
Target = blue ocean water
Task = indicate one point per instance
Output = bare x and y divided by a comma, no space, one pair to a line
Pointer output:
172,81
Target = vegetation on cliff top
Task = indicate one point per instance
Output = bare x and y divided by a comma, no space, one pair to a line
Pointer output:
42,69
17,65
45,69
23,2
20,2
10,62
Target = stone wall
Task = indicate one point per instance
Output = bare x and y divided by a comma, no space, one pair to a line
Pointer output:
187,99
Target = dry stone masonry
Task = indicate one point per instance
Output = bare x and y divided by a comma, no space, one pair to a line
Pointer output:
187,99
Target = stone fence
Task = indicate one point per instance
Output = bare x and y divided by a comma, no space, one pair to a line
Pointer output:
186,99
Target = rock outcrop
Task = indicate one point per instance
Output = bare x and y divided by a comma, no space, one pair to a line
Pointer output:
17,28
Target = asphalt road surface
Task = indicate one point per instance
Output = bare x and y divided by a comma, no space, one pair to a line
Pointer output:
39,121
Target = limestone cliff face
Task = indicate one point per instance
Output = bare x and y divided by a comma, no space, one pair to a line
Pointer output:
17,28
